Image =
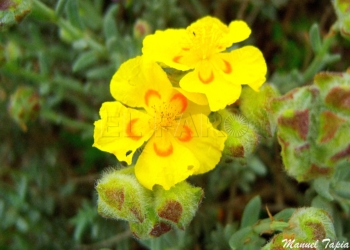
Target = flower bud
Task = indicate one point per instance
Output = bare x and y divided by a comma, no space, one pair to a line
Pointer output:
121,196
256,107
308,227
178,205
24,106
312,124
171,208
141,29
13,11
242,138
151,227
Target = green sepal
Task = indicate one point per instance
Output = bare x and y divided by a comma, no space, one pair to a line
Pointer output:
256,108
178,205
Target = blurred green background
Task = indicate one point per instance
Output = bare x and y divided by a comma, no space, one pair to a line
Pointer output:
57,58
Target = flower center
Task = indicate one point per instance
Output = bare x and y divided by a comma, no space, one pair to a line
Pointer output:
164,114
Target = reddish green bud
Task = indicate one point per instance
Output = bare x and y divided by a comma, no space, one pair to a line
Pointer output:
121,196
13,11
242,137
178,205
313,124
149,213
256,107
141,29
24,106
152,227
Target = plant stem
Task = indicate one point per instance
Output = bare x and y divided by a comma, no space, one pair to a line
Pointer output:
65,121
319,61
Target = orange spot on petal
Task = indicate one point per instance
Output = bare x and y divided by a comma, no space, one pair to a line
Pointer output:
228,68
151,93
182,99
163,153
208,80
185,49
129,132
187,134
177,59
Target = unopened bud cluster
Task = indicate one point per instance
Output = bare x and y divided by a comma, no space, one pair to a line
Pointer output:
149,213
313,125
24,106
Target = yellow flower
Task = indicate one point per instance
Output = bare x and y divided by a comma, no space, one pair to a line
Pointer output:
217,74
180,140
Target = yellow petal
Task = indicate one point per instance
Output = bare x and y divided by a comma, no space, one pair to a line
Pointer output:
170,48
135,78
239,31
198,135
196,103
121,131
164,162
242,66
198,98
208,36
210,81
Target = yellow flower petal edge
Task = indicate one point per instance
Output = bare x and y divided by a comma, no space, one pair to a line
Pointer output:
217,74
134,78
171,127
121,131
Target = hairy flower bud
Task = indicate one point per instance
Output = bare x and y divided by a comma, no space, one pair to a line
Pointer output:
141,29
24,106
242,138
149,213
256,107
313,126
308,228
178,205
121,196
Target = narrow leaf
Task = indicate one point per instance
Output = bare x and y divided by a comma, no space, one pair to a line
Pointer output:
238,239
321,186
85,60
61,4
110,29
315,38
72,9
251,212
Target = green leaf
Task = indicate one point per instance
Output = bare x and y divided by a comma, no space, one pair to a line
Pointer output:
110,29
321,186
251,212
103,72
85,60
315,38
61,4
238,239
342,188
285,214
72,9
